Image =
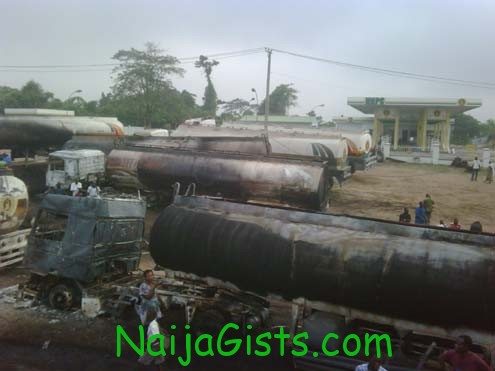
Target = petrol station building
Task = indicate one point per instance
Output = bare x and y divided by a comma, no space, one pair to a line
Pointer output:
413,121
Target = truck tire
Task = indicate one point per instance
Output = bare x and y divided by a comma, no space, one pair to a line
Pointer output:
62,296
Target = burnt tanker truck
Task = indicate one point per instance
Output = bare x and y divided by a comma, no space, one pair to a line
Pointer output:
298,181
427,277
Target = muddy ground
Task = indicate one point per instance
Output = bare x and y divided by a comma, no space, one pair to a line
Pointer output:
39,339
386,189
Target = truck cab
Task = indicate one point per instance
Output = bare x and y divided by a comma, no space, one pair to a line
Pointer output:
77,241
67,166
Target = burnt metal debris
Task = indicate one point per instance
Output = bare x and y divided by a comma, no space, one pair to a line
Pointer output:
407,272
299,181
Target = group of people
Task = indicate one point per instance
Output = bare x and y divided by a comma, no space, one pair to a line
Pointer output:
76,189
423,214
476,169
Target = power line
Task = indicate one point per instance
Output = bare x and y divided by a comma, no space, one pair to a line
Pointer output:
111,69
238,53
394,73
246,52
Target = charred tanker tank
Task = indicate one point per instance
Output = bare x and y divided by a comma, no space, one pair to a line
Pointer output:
299,182
405,272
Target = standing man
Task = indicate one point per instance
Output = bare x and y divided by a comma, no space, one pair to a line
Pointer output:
420,214
489,172
75,188
152,329
93,190
461,357
148,297
428,204
476,169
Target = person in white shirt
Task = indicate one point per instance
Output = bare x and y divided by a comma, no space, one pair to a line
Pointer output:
476,169
153,328
442,224
374,364
93,190
75,187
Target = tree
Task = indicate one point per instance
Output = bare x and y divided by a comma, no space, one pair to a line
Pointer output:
143,77
487,128
32,95
235,109
9,97
210,97
466,128
281,99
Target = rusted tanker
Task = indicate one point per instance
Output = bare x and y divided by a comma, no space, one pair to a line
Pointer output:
299,181
427,275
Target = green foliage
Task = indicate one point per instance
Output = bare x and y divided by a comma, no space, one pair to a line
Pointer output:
466,128
235,109
281,99
33,95
29,96
9,97
143,76
210,98
488,128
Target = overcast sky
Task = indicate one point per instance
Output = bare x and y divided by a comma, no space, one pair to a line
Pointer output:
450,38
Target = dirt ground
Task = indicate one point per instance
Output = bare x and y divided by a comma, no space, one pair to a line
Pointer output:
383,191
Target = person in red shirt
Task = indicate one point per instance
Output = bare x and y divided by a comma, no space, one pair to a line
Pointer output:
462,359
455,224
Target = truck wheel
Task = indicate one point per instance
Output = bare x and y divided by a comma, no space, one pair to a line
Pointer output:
61,296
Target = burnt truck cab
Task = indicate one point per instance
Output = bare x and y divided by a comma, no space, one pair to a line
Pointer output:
78,241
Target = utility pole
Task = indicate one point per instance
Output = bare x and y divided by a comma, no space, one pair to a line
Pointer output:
267,98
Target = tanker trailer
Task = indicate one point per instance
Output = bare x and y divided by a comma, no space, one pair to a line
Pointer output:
27,130
425,275
300,182
13,210
258,145
334,149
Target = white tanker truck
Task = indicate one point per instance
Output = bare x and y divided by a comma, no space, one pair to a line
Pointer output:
14,202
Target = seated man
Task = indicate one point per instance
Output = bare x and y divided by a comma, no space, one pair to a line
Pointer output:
405,217
455,224
148,298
